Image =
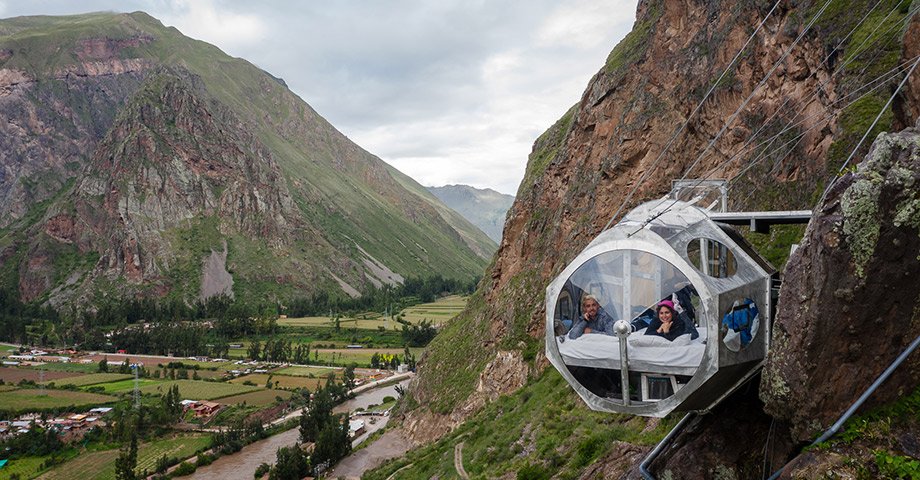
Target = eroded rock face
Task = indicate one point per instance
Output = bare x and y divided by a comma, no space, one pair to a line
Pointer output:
849,302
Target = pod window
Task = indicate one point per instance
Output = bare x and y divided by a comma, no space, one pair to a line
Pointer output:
712,258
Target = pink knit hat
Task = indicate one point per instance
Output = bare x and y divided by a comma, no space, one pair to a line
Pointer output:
666,303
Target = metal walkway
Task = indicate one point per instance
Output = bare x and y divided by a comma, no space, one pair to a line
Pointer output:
760,221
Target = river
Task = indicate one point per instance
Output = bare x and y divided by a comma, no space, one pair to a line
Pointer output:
242,465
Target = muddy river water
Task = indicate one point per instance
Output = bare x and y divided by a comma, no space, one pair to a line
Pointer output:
242,465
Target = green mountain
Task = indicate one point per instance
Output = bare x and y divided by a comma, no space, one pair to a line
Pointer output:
483,207
138,161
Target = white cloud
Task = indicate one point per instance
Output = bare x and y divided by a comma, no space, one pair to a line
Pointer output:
584,23
215,23
451,91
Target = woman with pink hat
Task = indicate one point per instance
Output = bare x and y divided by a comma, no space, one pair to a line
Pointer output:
666,322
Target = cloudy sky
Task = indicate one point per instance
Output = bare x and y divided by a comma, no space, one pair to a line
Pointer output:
448,91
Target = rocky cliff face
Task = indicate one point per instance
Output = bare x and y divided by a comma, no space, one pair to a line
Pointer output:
132,155
581,169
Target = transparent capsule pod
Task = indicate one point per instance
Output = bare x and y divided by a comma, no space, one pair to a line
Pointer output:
681,302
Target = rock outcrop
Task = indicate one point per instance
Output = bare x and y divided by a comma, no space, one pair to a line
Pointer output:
849,302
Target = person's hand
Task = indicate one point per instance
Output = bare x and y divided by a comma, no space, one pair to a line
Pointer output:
666,327
588,330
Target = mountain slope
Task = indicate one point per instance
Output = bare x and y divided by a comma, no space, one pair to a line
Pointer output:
133,152
582,168
484,208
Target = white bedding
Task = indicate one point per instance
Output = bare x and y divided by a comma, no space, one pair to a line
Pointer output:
647,353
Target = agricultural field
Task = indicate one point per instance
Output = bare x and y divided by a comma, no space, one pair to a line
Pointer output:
7,349
369,323
25,467
307,371
101,465
25,400
68,367
15,375
361,356
199,390
281,381
437,312
259,398
91,379
126,385
6,388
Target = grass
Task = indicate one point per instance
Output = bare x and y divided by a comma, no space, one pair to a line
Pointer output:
125,385
101,465
91,379
361,356
438,312
27,400
14,375
199,390
26,467
306,371
543,424
258,398
70,367
281,381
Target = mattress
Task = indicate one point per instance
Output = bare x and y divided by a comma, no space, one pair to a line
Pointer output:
647,353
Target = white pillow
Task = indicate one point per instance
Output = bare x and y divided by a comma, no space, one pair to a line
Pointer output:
656,341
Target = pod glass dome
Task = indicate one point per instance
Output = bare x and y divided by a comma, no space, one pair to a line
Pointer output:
690,297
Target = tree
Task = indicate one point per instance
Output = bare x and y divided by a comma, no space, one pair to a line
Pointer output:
254,350
333,443
409,358
290,464
104,365
315,415
349,377
127,460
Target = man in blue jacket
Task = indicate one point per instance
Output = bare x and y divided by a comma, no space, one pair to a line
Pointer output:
593,319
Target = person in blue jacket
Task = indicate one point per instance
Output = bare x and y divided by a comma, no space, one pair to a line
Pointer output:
593,319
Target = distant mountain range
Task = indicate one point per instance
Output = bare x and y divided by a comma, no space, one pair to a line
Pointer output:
484,208
135,161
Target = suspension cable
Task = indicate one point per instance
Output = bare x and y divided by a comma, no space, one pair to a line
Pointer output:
687,121
740,108
840,68
767,143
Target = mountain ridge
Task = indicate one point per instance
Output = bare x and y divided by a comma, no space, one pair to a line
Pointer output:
342,220
484,207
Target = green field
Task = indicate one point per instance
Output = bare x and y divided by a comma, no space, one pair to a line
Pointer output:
126,385
16,374
361,356
199,390
25,467
259,398
70,367
101,465
437,312
8,349
91,379
345,322
281,381
306,371
33,399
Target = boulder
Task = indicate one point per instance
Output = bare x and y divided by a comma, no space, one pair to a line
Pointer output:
849,302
